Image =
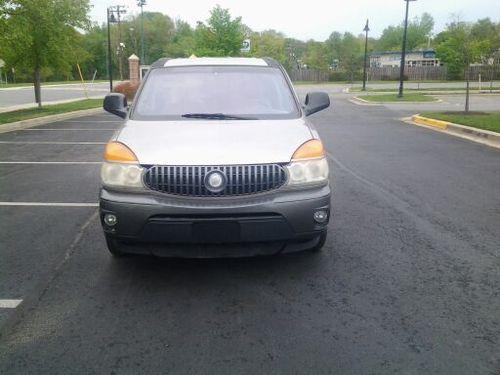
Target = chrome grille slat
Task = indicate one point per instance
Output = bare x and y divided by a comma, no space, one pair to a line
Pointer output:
189,180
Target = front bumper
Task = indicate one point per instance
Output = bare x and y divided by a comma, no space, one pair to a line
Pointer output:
162,224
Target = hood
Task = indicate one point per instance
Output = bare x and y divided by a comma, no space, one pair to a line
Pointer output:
212,142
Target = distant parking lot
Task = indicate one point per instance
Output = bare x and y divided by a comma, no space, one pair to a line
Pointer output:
408,281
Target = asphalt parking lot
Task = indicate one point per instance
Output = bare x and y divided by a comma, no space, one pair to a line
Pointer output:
408,282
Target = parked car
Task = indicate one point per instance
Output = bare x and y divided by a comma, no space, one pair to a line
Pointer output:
215,158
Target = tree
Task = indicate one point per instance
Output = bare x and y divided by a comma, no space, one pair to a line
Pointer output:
40,34
418,36
182,44
221,36
269,43
458,49
316,56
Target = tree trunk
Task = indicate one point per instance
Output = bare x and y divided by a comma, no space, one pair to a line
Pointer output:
37,85
467,76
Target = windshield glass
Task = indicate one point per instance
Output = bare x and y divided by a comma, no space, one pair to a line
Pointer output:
201,91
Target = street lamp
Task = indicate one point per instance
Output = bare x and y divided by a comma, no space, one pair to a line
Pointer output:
366,29
403,53
110,19
141,4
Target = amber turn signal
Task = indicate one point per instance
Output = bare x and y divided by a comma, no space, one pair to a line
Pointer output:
310,150
118,152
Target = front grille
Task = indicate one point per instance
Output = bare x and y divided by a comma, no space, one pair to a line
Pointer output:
190,180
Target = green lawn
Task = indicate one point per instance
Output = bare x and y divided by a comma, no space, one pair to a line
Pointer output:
25,114
430,89
481,120
394,98
28,84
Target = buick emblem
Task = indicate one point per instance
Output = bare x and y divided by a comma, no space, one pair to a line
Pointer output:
215,181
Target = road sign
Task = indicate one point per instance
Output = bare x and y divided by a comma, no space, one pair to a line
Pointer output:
245,46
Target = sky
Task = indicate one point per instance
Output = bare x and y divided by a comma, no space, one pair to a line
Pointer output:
314,19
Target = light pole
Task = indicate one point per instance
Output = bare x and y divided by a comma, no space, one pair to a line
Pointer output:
403,52
110,19
366,29
141,4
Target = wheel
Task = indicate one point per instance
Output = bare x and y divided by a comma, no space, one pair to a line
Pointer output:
320,244
113,247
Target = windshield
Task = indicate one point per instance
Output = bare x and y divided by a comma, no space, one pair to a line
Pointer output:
215,92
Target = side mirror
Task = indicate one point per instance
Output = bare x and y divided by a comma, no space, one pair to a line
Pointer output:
315,102
116,104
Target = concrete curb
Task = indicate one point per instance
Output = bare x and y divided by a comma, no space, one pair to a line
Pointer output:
25,124
364,102
486,137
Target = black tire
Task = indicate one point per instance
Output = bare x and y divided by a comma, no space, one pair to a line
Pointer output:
113,247
320,244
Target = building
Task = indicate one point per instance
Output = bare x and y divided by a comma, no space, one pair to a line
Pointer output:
413,58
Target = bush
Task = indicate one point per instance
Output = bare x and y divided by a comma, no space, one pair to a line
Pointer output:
126,88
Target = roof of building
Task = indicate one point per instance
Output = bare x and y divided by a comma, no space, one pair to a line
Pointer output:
376,53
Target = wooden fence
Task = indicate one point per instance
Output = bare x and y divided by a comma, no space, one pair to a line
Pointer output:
412,73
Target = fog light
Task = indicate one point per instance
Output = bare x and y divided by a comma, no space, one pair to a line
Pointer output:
320,216
110,220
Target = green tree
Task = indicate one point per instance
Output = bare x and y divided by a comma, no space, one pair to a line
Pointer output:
269,43
316,56
41,34
419,34
458,49
221,36
182,44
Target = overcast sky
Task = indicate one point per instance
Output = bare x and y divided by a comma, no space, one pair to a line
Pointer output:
314,19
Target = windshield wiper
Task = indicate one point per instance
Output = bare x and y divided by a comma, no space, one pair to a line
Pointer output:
216,116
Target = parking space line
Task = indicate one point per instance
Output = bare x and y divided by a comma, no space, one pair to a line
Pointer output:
37,129
48,204
51,162
49,143
9,303
93,121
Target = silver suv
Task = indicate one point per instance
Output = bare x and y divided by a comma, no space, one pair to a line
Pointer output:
216,158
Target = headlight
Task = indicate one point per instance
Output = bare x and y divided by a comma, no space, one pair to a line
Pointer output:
308,171
121,175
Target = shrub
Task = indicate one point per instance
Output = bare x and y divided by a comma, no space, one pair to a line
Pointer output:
126,88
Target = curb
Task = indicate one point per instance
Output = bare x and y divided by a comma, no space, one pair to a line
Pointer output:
486,137
364,102
25,124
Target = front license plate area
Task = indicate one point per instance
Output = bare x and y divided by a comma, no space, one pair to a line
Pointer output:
216,231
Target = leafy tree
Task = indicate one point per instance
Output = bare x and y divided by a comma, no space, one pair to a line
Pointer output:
221,36
183,41
418,36
269,43
316,56
458,49
41,34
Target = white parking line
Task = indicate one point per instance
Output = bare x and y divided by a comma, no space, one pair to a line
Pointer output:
48,204
51,162
50,143
35,129
95,121
9,303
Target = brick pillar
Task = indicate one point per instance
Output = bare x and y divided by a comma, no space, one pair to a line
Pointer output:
133,68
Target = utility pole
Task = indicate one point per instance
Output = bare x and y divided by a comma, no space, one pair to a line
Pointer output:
110,19
403,53
366,29
141,4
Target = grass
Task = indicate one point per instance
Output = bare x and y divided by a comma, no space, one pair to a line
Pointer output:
430,89
392,98
26,114
29,84
482,120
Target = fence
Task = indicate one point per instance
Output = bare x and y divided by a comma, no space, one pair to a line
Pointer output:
309,75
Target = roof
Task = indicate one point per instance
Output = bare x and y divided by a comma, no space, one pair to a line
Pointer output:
197,61
377,53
